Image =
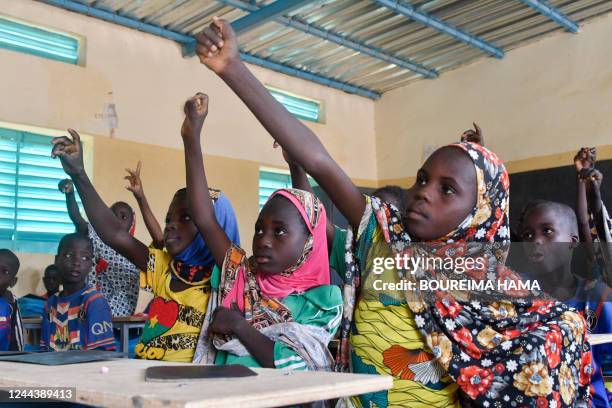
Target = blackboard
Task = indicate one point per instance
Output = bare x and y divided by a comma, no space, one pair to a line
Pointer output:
554,184
333,214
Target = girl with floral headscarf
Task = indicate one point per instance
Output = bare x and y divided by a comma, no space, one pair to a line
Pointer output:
431,349
512,349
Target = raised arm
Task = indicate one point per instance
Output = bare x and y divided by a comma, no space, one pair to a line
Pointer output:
198,198
65,186
218,50
157,235
593,179
582,160
106,224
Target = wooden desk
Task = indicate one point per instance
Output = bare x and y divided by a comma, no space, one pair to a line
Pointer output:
123,323
596,339
31,323
124,385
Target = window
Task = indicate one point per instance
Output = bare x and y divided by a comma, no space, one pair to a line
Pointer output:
33,215
23,37
300,107
271,180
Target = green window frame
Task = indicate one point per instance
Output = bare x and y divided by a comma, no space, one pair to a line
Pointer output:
272,180
30,39
299,106
33,214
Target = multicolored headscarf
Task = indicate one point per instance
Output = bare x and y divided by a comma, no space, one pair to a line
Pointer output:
484,233
259,295
522,352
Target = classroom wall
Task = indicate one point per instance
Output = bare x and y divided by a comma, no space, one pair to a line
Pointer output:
547,98
150,82
162,173
536,106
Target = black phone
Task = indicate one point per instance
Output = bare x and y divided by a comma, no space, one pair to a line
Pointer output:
196,372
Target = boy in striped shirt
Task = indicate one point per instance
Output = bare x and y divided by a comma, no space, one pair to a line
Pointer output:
78,317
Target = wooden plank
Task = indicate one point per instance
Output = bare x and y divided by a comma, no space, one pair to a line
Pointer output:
124,385
595,339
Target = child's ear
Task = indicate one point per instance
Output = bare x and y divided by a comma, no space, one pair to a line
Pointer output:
13,282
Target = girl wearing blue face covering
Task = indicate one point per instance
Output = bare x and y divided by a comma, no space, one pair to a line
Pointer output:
180,283
178,276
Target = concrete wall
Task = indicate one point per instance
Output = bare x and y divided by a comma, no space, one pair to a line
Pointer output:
546,98
537,106
150,81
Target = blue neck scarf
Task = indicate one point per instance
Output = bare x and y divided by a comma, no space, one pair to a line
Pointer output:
197,253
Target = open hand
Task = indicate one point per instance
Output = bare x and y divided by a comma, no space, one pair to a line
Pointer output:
226,320
217,46
196,109
585,158
134,178
65,186
473,135
70,152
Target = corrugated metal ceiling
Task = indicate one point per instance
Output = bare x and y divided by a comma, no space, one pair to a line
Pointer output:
506,24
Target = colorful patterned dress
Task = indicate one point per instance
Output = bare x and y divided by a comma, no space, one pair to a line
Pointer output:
525,352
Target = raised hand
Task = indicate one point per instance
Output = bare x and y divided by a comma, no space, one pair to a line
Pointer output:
65,186
217,46
473,135
70,152
134,178
196,109
592,179
585,158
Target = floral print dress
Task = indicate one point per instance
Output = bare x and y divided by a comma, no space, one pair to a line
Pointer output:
516,349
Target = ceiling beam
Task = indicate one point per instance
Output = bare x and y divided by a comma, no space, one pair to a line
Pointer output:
189,41
344,41
438,24
266,14
542,7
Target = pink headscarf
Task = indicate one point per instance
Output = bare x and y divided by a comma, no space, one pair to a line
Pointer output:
311,269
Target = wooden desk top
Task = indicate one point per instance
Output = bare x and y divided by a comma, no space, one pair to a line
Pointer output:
124,385
595,339
129,319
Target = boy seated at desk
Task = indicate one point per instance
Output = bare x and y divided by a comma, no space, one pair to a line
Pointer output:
78,317
11,337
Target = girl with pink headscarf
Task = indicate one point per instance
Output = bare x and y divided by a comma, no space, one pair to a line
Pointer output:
275,309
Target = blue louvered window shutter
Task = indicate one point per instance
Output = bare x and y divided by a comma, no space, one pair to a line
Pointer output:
23,37
300,107
269,182
33,215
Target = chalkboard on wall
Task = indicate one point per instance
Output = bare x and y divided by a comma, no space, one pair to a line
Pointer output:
555,184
